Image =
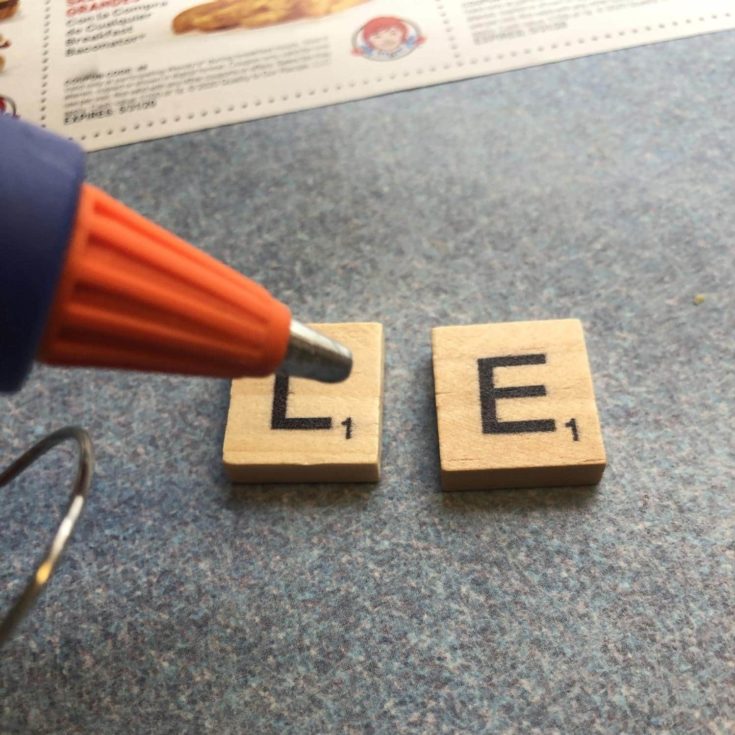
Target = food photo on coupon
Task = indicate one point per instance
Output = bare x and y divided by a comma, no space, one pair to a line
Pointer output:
223,14
8,8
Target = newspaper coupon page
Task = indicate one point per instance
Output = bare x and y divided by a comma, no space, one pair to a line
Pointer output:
109,72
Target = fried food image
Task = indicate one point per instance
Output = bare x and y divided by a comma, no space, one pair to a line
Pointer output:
8,8
221,14
315,8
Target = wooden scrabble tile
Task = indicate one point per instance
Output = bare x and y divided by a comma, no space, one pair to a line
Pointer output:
515,406
296,430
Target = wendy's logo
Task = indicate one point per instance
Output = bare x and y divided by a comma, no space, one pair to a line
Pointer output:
386,39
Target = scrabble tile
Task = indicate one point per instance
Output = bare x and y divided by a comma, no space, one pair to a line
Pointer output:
515,406
296,430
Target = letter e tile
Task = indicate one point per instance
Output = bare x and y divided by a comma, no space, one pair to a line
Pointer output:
515,406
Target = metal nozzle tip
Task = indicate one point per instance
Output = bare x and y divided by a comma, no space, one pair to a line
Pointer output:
313,355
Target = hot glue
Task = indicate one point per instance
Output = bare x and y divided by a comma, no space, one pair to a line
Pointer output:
86,281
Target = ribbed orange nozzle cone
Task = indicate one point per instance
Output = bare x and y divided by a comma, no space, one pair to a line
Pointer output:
135,296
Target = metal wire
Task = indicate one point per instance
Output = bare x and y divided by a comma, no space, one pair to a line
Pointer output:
45,568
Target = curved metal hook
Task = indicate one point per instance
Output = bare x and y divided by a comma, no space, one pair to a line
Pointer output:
48,563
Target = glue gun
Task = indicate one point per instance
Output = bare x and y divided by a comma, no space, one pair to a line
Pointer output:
86,281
